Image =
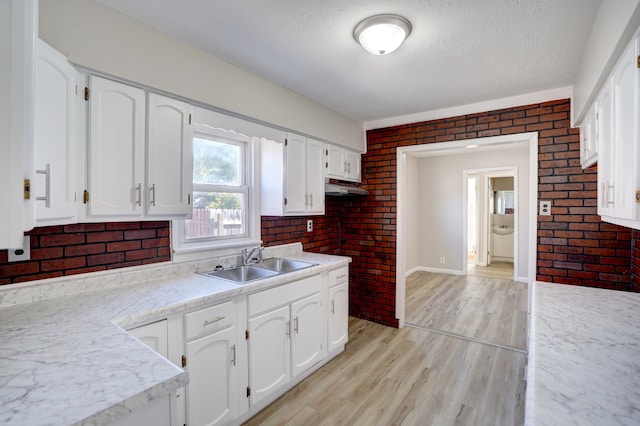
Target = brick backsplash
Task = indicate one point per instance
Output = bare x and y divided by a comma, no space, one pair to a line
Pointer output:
574,245
75,249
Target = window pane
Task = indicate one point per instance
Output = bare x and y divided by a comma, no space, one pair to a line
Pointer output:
216,214
216,163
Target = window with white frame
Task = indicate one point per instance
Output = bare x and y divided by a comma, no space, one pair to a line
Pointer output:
220,190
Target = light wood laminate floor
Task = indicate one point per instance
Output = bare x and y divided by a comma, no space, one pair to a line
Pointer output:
488,309
410,376
494,270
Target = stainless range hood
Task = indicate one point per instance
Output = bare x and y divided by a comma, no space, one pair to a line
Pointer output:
337,189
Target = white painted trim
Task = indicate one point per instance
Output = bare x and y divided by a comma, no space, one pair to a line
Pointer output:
510,102
401,167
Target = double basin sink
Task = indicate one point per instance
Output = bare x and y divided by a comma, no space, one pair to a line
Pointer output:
243,274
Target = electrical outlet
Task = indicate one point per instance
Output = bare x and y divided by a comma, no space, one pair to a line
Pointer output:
309,225
545,208
19,255
442,260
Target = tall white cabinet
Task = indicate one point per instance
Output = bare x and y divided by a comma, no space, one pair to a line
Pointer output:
56,183
139,152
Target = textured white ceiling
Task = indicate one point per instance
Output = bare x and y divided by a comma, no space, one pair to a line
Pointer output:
459,52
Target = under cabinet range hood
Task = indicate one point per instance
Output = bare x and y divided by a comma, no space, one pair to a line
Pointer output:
340,189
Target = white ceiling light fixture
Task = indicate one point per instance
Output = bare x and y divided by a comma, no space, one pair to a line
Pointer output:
382,34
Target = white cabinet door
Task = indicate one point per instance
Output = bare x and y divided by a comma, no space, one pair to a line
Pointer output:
338,315
296,196
353,160
604,130
269,352
56,139
337,162
18,30
213,378
625,93
315,160
307,333
588,138
169,158
115,150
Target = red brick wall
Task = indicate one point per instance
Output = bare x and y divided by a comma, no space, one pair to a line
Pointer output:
323,239
76,249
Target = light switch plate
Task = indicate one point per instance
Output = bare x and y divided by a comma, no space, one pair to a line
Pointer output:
19,255
545,208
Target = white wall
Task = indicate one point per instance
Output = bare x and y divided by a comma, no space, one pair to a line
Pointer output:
614,26
440,182
99,38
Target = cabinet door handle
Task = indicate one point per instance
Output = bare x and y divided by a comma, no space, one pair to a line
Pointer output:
344,166
311,200
288,327
333,306
348,167
306,199
47,185
139,192
152,192
295,325
209,322
233,355
611,194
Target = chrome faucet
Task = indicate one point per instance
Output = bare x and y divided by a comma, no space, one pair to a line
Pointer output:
248,255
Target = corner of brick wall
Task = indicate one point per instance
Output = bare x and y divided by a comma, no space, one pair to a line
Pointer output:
635,265
80,248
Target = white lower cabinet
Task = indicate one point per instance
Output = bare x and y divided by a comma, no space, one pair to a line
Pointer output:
158,411
286,334
243,353
211,359
338,315
269,352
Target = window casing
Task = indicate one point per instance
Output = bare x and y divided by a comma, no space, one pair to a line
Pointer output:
226,202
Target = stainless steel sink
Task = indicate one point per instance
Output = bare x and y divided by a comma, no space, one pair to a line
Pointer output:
267,268
242,274
283,265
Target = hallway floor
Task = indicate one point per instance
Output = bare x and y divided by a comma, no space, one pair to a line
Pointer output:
414,376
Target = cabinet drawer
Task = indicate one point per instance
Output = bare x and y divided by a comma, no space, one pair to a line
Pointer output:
283,295
208,320
339,276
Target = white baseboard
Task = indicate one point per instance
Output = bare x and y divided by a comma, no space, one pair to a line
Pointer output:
436,270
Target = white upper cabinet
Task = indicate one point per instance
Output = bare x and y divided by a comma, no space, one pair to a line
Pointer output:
18,32
343,164
617,123
169,157
115,150
588,138
292,176
139,165
56,181
315,161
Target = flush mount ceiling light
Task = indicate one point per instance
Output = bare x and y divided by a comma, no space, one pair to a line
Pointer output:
382,34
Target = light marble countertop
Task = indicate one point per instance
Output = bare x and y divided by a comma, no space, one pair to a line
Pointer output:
66,359
584,357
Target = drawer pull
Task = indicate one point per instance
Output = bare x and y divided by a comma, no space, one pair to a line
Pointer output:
209,322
